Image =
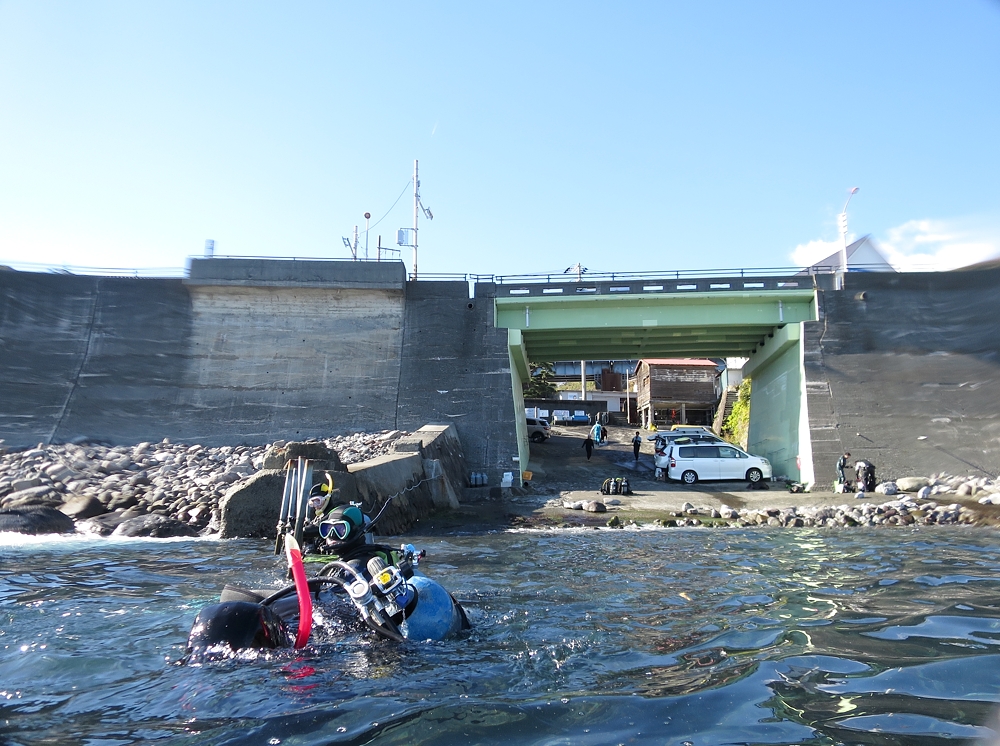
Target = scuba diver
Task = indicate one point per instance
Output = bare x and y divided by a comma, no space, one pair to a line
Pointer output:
375,582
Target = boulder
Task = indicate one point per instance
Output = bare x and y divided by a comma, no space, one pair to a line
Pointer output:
35,520
153,526
323,457
27,496
101,525
912,484
251,508
83,506
595,507
887,488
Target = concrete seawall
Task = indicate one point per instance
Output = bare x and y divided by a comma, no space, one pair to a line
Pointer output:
251,351
904,370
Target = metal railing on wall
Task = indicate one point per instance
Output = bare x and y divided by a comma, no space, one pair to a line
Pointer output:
518,279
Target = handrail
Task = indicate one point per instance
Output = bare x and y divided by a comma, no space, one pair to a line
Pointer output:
533,278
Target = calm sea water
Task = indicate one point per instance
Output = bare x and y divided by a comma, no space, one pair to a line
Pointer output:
580,637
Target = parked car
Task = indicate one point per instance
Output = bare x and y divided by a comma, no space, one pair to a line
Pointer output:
667,439
689,463
538,429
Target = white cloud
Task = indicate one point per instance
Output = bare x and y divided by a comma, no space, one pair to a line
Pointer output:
807,254
919,245
923,245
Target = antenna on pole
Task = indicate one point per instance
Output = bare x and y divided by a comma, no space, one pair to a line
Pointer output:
402,235
368,217
416,204
352,247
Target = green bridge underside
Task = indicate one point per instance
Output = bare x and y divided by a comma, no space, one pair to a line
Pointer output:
716,324
762,325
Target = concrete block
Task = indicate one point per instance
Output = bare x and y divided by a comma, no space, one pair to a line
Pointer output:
442,494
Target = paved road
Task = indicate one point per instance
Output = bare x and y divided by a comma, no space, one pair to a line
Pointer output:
560,470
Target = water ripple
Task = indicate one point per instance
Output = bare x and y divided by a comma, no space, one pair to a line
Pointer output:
579,637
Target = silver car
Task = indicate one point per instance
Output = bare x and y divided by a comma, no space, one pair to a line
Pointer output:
671,437
538,429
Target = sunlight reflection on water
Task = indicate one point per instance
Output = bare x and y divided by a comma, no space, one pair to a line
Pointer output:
580,636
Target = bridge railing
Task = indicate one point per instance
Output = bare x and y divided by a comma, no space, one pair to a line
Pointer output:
681,279
648,286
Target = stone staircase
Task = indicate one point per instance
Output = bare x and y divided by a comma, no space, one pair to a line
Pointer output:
729,398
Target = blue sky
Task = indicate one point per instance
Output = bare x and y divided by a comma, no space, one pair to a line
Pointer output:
627,137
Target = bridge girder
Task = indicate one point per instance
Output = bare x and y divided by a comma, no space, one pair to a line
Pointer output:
713,324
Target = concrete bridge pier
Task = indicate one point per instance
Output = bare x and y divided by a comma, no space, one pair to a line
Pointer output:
779,412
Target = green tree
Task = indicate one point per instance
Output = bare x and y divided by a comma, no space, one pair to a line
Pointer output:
737,425
540,385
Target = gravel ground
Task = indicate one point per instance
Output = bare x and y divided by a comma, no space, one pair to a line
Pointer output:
564,482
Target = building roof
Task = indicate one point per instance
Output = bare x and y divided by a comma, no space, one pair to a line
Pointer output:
686,362
677,361
862,256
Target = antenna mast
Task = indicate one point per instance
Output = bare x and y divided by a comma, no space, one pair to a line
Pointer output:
401,236
416,212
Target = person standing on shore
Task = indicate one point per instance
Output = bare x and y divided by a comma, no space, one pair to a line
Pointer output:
589,445
636,444
842,463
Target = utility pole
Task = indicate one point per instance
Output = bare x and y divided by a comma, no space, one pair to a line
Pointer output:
401,237
842,224
416,211
368,217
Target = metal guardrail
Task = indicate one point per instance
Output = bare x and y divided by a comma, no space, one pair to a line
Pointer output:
678,274
648,287
549,278
563,278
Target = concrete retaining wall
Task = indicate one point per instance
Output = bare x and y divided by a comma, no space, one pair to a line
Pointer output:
250,351
416,479
904,370
456,370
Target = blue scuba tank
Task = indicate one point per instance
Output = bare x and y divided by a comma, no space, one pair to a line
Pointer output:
436,614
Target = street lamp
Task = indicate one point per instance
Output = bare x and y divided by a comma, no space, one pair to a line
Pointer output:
842,221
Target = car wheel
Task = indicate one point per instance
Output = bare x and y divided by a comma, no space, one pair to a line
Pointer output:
754,475
537,438
689,477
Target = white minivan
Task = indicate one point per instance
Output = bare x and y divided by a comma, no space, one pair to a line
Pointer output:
701,461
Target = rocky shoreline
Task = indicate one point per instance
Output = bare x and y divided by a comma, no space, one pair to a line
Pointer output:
175,489
148,489
935,500
903,512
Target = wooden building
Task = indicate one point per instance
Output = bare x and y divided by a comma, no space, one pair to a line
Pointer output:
676,391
